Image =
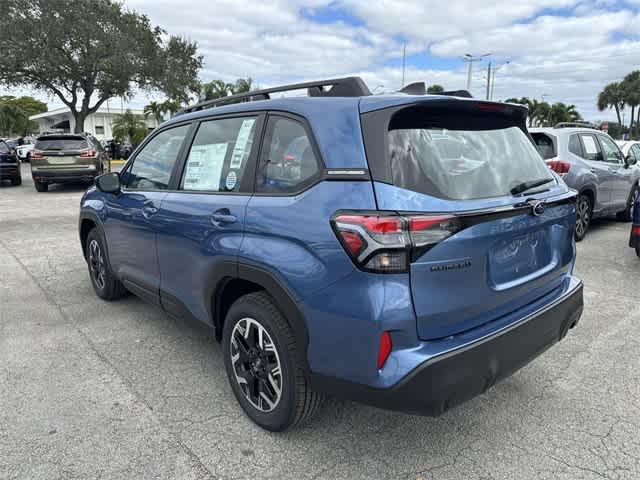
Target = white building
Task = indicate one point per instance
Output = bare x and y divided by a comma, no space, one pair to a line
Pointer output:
98,124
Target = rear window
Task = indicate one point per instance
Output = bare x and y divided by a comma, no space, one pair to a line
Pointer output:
545,145
461,158
61,143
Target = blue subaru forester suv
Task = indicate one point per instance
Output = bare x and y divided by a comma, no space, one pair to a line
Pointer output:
405,251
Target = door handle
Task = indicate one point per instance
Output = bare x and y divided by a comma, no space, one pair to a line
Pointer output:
148,209
222,216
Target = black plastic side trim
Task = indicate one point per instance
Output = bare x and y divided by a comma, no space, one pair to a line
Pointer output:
146,293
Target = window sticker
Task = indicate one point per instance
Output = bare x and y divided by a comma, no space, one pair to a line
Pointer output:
231,181
241,143
204,167
589,145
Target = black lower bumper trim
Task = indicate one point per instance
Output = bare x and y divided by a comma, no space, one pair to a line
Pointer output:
62,177
452,378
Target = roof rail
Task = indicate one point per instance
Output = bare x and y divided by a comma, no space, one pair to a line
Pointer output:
419,88
575,125
456,93
339,87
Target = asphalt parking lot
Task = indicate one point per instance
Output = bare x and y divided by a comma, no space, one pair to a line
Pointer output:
90,389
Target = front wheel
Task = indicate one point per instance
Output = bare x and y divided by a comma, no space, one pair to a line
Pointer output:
583,216
263,367
104,282
627,214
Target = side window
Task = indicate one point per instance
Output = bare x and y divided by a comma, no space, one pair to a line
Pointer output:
4,148
611,151
288,162
151,169
574,145
219,155
635,151
591,148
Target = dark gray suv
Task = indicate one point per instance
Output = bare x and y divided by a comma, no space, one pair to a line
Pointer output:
590,162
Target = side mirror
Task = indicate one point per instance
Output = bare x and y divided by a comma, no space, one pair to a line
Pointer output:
630,160
109,183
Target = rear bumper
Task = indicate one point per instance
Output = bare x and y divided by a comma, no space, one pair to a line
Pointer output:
62,176
459,375
9,170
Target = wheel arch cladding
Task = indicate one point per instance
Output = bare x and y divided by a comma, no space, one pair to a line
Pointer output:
86,225
252,279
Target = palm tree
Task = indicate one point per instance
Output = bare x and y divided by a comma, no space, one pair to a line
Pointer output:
631,87
560,112
242,85
435,88
171,106
129,126
215,89
612,96
155,110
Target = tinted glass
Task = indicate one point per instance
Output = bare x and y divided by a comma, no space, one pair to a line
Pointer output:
611,151
574,145
461,164
219,155
545,145
4,148
591,148
636,152
288,162
53,142
151,169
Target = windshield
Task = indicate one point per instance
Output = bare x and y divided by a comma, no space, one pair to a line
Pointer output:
463,164
61,143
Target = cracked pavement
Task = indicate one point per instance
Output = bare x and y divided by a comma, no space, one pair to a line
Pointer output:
90,389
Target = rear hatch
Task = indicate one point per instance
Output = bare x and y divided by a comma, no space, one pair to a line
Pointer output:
502,235
62,151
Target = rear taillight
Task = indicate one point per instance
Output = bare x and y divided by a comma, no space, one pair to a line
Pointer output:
37,155
635,230
559,166
88,153
387,243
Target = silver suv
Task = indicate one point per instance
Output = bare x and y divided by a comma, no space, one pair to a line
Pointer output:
590,162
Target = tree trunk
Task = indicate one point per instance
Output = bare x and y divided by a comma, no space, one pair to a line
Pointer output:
79,117
618,114
633,111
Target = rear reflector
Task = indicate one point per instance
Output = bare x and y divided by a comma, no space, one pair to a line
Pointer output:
385,349
635,230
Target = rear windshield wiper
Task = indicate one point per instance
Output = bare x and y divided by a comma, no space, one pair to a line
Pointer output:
524,186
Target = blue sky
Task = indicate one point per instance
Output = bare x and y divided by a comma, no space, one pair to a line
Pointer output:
566,50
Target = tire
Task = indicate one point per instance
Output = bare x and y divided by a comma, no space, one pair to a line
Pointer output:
638,251
16,182
104,282
627,214
256,364
41,187
584,211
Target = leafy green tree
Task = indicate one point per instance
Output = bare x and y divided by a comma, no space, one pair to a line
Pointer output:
15,113
561,112
612,96
155,110
171,106
129,126
435,88
215,89
87,51
242,85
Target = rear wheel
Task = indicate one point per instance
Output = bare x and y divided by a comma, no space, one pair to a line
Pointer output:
261,360
638,251
627,214
583,216
16,181
104,282
40,186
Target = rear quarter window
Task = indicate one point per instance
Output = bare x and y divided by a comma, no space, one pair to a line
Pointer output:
545,144
4,148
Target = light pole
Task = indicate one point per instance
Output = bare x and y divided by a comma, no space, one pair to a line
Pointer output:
493,80
470,59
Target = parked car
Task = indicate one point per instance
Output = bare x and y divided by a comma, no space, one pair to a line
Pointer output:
60,158
9,165
405,251
630,148
24,152
590,162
